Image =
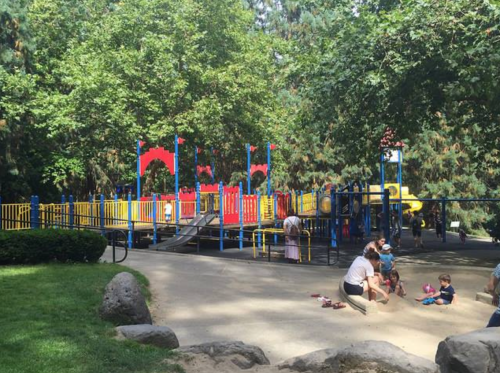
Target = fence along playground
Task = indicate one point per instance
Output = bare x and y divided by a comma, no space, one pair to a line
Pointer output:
333,213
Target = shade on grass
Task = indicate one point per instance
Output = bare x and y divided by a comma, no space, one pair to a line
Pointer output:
49,323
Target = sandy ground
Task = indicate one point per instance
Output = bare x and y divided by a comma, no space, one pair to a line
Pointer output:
207,299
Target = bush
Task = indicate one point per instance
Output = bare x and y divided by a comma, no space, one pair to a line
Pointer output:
38,246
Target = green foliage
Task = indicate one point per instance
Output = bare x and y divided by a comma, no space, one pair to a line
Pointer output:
39,246
52,319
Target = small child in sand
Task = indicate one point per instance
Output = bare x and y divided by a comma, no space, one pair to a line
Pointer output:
386,261
445,295
394,285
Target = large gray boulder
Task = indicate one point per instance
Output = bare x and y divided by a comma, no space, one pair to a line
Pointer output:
160,336
362,357
123,302
475,352
242,355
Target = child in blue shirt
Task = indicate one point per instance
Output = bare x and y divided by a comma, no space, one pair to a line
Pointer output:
445,295
386,261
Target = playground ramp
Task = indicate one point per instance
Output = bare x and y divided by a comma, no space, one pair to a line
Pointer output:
186,234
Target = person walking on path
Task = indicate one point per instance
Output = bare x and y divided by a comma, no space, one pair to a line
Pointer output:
292,228
416,228
438,223
491,288
396,229
361,277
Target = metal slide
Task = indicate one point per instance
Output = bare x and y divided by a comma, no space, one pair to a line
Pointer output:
186,234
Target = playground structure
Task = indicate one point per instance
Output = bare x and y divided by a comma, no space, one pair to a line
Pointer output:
336,213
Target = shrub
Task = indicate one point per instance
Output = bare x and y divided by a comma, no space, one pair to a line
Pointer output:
38,246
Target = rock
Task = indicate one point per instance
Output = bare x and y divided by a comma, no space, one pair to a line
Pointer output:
311,362
475,352
160,336
123,302
484,298
362,357
242,355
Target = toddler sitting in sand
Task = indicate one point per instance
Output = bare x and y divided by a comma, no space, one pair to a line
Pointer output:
394,285
445,295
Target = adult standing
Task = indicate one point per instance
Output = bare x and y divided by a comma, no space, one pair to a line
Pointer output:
396,228
292,228
438,224
491,288
361,277
416,228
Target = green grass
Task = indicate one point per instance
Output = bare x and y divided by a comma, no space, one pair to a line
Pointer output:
50,323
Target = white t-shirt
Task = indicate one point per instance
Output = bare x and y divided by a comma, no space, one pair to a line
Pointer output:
291,220
168,209
359,270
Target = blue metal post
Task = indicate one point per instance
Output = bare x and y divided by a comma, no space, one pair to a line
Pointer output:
443,218
386,210
248,169
318,231
32,212
259,221
154,219
351,208
37,212
275,202
129,221
63,211
71,212
221,216
176,159
116,209
333,217
195,165
296,202
368,218
339,217
301,201
91,204
138,178
101,213
382,172
198,200
269,169
241,215
400,181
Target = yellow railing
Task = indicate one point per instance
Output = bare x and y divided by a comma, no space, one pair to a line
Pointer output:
15,216
281,231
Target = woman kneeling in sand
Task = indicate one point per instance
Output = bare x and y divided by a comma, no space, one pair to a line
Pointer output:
361,277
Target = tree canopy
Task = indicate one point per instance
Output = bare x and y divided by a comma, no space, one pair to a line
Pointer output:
80,81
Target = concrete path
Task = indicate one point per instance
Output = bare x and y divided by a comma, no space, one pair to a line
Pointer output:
212,299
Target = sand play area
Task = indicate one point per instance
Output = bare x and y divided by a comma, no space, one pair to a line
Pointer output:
269,305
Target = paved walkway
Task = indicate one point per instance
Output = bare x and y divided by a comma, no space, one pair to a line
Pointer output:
475,252
209,299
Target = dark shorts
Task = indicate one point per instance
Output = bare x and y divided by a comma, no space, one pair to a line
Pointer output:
417,233
385,273
353,289
494,321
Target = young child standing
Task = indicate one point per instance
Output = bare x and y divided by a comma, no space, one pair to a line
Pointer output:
386,261
394,285
445,295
